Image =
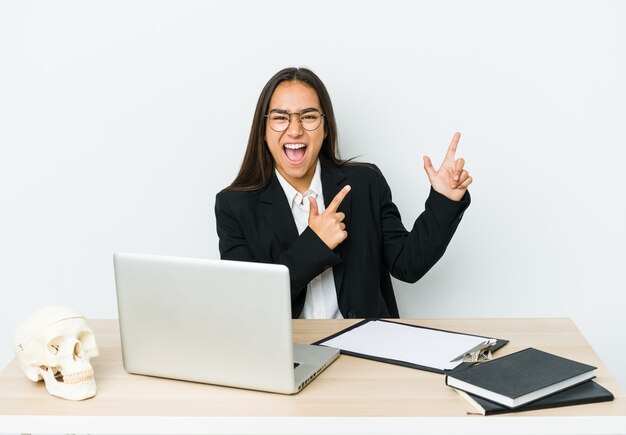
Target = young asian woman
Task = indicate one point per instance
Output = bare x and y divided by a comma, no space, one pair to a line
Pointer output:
331,222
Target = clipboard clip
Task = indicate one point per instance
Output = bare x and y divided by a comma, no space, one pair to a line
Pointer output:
479,353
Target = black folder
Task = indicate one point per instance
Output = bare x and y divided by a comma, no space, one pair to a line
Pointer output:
587,392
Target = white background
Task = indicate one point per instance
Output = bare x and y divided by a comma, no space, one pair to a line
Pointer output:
120,121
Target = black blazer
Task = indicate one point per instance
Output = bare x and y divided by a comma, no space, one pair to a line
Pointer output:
259,226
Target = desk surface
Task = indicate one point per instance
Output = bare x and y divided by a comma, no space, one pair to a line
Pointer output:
353,395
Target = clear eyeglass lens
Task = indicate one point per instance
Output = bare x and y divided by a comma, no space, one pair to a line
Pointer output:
279,121
310,120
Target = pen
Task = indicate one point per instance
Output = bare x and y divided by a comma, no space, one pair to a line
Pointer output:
479,347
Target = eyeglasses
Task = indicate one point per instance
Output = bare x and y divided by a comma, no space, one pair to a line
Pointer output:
309,119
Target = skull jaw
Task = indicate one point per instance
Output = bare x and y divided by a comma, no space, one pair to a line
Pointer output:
75,391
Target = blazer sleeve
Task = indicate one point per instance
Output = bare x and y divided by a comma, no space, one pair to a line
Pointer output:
408,255
233,243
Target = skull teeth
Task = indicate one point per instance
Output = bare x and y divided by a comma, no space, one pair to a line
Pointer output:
76,378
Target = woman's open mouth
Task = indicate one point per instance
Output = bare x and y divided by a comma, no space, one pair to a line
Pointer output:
295,152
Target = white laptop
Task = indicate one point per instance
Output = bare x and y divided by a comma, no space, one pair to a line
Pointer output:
212,321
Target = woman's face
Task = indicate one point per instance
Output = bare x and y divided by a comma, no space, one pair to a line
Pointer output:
295,150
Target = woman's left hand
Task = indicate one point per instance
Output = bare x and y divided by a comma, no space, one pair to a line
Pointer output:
451,180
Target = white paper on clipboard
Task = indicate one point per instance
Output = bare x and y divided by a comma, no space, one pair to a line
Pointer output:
401,342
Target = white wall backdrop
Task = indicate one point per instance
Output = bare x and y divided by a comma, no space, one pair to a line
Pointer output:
121,120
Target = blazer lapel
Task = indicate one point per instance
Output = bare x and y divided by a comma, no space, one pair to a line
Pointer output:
278,214
333,180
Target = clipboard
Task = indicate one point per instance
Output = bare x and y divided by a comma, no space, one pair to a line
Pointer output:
407,345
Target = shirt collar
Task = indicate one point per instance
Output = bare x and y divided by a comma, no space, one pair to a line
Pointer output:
314,189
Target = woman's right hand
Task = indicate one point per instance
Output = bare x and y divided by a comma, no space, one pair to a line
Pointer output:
329,225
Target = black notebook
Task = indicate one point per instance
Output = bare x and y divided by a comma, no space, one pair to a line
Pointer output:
587,392
521,377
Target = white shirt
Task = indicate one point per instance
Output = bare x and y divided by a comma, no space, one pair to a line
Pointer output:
321,295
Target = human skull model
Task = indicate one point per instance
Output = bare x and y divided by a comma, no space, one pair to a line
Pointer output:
55,344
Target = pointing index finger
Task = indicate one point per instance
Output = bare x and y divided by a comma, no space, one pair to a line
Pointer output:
453,146
334,205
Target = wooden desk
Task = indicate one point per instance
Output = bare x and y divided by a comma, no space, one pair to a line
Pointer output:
352,396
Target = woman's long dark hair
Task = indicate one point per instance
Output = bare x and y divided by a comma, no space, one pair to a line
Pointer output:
257,168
